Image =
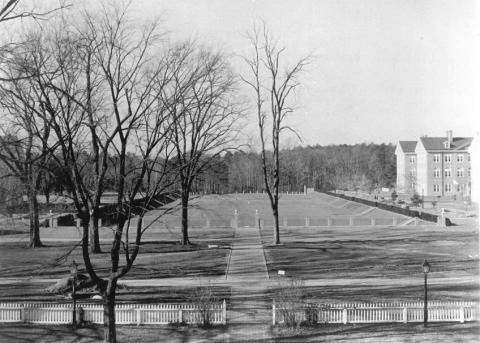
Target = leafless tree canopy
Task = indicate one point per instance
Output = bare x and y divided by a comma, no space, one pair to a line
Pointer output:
273,86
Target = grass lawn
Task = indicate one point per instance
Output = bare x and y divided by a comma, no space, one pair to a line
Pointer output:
384,333
378,253
156,260
25,291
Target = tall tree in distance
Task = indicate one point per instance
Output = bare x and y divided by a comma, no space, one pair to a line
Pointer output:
204,115
273,85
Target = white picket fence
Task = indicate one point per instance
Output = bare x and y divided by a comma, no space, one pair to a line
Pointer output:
380,313
61,313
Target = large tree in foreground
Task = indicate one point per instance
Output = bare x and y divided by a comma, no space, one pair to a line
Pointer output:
273,85
132,71
204,115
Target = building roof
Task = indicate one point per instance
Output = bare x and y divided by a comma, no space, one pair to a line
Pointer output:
437,143
408,146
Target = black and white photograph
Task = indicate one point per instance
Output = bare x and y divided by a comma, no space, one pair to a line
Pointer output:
239,171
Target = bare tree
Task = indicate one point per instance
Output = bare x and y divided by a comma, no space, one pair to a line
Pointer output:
24,129
204,115
273,87
131,75
11,10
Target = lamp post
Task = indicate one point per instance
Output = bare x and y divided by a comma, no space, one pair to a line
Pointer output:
423,198
426,270
73,273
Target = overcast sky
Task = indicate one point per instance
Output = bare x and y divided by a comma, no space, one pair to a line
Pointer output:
383,70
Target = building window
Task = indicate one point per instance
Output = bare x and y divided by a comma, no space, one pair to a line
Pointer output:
459,187
468,157
436,158
448,158
460,158
412,159
448,188
448,172
412,172
469,171
436,188
460,172
436,173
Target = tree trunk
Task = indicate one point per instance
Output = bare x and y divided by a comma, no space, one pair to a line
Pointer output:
94,237
276,224
34,222
109,332
185,240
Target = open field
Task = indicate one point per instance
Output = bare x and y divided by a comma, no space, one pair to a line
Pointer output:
339,263
390,252
156,260
361,333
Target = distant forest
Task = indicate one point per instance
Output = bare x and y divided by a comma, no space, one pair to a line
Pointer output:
362,167
350,167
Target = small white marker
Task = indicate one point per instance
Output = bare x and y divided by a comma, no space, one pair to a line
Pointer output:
281,272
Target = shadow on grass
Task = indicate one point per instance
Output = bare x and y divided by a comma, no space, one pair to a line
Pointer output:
25,333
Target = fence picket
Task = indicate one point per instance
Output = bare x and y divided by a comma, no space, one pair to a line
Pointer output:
61,313
396,312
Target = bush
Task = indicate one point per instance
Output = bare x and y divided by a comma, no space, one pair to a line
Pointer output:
416,199
394,196
311,314
289,301
205,299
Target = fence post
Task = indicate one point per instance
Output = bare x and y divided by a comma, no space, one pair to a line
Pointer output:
23,315
405,315
77,221
50,224
344,316
224,312
307,221
329,221
285,222
462,314
351,221
274,319
139,316
100,223
180,315
416,221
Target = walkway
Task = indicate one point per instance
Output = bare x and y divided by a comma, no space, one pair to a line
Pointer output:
248,277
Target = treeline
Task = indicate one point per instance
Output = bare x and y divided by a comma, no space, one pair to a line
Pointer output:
350,167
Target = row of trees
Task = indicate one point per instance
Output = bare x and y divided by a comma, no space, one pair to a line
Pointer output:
106,97
364,167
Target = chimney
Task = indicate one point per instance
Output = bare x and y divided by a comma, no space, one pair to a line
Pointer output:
449,138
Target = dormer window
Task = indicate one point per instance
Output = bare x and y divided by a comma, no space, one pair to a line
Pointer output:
412,159
446,144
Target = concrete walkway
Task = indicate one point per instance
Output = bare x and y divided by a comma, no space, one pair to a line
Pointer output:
248,277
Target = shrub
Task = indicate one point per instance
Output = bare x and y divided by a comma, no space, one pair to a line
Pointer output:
205,299
416,199
394,196
311,314
289,300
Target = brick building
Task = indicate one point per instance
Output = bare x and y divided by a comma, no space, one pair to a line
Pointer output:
435,166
